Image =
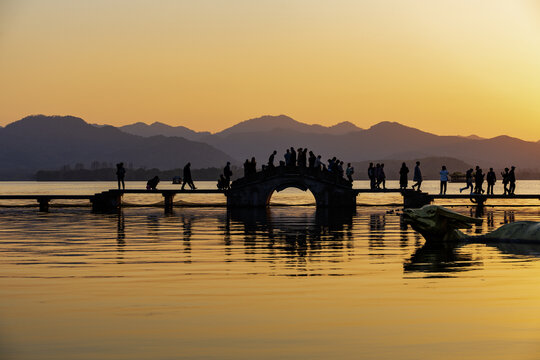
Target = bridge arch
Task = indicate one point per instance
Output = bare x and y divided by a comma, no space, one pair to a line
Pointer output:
257,190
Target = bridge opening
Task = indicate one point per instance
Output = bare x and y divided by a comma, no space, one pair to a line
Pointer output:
292,195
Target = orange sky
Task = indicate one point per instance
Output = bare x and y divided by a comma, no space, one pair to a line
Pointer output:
448,67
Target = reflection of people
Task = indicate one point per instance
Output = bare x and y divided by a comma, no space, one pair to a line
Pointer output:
120,174
444,180
417,177
152,183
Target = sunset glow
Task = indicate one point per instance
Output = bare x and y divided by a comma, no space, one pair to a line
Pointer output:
448,67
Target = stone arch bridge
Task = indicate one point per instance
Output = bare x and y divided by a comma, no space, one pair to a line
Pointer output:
257,189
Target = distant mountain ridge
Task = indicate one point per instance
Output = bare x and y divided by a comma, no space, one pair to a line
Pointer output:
48,142
158,128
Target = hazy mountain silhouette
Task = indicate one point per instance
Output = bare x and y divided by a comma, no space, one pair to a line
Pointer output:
283,122
158,128
49,142
385,140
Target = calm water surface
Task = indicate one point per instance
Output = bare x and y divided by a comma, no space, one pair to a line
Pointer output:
289,282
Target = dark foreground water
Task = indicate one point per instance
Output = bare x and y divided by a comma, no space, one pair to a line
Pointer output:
287,283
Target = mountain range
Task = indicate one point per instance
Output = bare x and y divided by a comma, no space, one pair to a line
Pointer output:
49,142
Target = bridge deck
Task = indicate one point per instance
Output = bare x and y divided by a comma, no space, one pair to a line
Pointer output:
169,191
478,196
45,196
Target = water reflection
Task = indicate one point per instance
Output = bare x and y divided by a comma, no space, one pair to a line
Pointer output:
310,241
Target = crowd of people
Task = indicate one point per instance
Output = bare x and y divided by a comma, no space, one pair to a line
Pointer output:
334,169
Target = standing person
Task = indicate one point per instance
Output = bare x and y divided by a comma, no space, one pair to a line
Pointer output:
371,176
253,166
469,181
311,160
417,177
403,174
349,172
120,174
301,157
187,177
377,176
227,173
512,181
293,157
287,157
318,163
444,180
478,180
271,160
505,179
382,178
491,179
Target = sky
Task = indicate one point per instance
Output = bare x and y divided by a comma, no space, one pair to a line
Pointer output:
448,67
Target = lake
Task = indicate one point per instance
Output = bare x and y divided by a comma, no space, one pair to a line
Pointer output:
289,282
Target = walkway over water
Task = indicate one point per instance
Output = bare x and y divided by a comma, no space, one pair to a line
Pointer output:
255,191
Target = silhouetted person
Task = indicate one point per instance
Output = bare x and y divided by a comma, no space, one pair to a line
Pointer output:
120,174
253,166
152,183
222,184
468,181
417,177
187,177
478,181
302,157
377,175
287,157
293,157
444,180
318,163
381,178
512,181
227,173
403,174
505,179
371,176
271,160
349,172
311,160
490,179
246,168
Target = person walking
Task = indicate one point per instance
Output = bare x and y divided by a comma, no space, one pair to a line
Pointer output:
444,180
491,179
120,174
469,181
512,181
505,179
187,177
403,174
417,177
